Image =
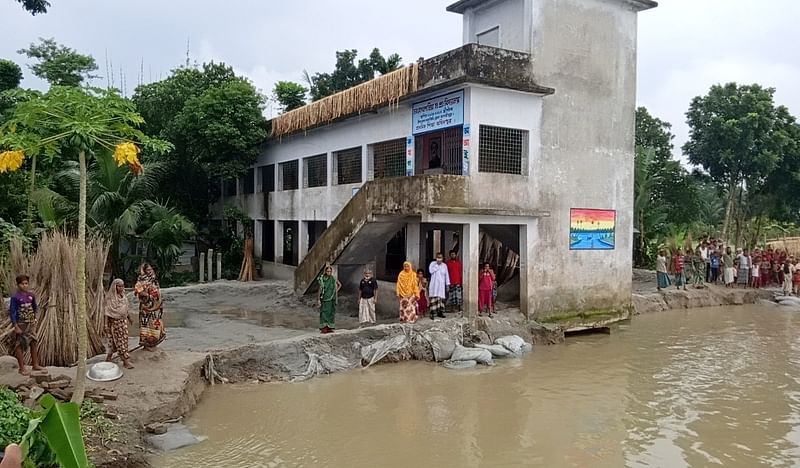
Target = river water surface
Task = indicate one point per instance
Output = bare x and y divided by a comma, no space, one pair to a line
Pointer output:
716,386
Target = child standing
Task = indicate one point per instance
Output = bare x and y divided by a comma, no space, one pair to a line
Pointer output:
677,269
485,286
714,262
422,302
662,276
796,278
23,312
755,273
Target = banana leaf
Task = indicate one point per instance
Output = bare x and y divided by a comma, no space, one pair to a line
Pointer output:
61,427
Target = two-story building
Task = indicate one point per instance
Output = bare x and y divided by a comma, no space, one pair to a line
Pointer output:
516,148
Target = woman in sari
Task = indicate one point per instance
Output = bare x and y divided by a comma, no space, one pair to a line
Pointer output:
408,293
118,318
328,288
151,328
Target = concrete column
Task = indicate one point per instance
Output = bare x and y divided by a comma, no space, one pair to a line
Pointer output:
210,259
279,242
412,244
202,264
365,176
526,273
302,238
219,266
258,236
470,252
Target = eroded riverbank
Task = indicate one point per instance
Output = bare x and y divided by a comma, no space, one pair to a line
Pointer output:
259,332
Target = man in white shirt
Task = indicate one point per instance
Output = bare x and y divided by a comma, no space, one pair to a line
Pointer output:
437,286
707,259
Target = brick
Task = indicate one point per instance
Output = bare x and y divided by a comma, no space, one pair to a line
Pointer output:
60,394
41,376
95,398
35,393
108,395
58,384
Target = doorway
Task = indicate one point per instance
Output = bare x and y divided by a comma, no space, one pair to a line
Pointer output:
290,240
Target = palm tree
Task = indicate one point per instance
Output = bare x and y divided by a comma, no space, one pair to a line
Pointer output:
117,200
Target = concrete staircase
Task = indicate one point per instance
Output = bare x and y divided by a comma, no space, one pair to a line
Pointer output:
374,215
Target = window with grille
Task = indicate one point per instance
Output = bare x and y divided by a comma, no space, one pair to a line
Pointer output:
289,175
347,166
249,183
229,188
389,159
267,178
502,150
315,171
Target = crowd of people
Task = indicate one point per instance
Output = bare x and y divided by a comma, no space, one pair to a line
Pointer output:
418,294
713,262
24,314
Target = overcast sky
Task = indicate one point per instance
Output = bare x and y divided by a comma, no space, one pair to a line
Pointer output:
685,46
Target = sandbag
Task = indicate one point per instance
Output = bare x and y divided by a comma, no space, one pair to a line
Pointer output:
450,364
483,356
495,349
791,299
512,343
442,344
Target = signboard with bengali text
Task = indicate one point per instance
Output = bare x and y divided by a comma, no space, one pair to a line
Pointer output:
437,113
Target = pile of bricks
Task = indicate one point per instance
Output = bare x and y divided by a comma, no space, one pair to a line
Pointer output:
60,387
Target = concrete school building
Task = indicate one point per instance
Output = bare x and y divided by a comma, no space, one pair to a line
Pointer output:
516,148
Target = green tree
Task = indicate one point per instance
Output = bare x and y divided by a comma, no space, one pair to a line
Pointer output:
348,73
738,135
59,65
68,122
35,7
214,119
290,95
10,75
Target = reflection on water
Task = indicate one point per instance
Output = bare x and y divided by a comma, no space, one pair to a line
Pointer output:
685,388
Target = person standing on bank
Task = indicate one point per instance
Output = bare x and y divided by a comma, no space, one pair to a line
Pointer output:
437,287
455,296
662,275
485,287
407,290
367,299
22,312
117,312
329,288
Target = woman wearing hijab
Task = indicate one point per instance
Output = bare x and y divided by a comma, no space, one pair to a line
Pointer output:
151,328
117,321
408,293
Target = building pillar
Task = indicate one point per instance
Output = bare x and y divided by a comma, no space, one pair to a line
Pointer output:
470,256
413,244
258,236
279,227
526,263
302,240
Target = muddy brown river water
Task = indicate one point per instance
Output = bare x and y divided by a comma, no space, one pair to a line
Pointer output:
718,386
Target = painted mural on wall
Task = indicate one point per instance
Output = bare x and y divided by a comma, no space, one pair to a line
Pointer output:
591,229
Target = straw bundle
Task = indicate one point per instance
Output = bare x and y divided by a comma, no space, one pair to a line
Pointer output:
384,90
248,270
52,272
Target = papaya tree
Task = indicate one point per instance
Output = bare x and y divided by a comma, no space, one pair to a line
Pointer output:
66,123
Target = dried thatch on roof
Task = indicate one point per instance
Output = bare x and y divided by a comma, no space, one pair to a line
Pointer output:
384,90
52,272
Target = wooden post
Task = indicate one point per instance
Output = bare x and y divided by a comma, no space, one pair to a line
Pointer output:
219,266
202,267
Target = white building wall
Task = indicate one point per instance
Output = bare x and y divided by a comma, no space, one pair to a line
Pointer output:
586,50
510,109
512,18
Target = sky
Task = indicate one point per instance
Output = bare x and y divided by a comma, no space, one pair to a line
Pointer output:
685,46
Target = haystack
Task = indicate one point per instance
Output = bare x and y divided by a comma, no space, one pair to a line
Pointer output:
52,272
248,270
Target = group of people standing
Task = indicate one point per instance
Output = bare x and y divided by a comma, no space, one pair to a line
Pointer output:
418,295
714,263
24,314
